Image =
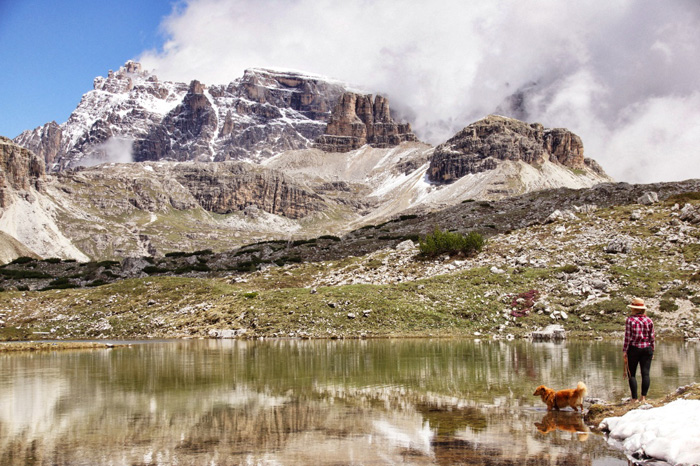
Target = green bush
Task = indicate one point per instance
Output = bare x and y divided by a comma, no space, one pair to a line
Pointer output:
151,269
19,274
329,237
23,260
570,268
178,254
107,264
61,283
447,242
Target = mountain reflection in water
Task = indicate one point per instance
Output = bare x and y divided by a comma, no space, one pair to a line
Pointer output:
313,402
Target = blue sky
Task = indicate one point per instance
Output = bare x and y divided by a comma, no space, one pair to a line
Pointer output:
51,51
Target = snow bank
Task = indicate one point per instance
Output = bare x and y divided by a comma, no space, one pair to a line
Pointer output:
670,433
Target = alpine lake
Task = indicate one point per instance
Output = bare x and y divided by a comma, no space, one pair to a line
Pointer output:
316,402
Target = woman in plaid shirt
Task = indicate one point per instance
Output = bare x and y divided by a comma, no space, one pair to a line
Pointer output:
638,347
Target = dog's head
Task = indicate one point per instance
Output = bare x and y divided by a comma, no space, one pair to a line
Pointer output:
541,390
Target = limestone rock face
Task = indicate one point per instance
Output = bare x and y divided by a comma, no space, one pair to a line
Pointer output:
45,141
230,187
481,145
184,133
20,171
361,119
131,115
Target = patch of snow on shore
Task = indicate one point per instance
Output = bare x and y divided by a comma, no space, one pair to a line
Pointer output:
669,433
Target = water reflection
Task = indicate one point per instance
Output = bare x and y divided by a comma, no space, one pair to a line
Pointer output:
313,402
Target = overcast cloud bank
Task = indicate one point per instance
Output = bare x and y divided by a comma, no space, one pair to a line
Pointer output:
622,74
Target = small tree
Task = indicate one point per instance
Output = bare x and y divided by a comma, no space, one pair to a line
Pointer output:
446,242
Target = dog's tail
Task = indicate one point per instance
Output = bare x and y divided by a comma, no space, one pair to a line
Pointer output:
581,387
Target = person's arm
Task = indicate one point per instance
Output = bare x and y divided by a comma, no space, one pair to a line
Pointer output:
628,336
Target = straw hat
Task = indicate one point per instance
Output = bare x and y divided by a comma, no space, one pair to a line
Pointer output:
637,303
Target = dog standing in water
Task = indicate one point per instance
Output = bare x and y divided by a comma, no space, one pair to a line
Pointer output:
558,400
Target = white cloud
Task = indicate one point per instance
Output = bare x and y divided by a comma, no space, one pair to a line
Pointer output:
113,150
599,68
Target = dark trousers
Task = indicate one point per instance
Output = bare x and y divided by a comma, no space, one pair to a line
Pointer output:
642,357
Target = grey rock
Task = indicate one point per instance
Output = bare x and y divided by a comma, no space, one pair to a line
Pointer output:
618,246
648,198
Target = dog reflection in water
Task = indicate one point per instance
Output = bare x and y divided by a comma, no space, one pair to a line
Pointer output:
567,422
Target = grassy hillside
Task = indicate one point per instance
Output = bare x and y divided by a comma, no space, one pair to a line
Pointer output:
554,272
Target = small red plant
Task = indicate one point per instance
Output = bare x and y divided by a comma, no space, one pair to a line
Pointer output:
521,304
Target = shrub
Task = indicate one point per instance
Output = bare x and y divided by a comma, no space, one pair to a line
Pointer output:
151,269
250,294
203,252
446,242
52,260
329,237
23,260
19,274
61,283
107,264
570,268
288,260
667,305
684,197
301,242
193,268
522,304
178,254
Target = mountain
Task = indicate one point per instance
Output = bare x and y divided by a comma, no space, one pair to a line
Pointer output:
132,115
272,155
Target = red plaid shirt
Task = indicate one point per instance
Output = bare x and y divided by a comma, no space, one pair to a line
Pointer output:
639,332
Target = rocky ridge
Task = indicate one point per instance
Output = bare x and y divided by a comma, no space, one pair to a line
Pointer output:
360,119
132,115
484,144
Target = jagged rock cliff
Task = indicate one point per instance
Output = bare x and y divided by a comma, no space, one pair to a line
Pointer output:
131,115
361,119
231,187
20,172
26,213
482,145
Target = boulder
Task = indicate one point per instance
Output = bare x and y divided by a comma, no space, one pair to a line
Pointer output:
550,332
618,245
648,198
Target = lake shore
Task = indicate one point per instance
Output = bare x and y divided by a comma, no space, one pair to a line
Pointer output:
16,347
599,411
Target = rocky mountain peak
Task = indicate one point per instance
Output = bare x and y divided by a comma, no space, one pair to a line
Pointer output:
360,119
484,144
252,118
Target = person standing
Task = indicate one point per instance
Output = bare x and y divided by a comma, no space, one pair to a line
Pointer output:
638,347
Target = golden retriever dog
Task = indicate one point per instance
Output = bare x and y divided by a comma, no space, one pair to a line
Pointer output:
572,397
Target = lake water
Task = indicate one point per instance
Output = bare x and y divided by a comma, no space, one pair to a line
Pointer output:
373,402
